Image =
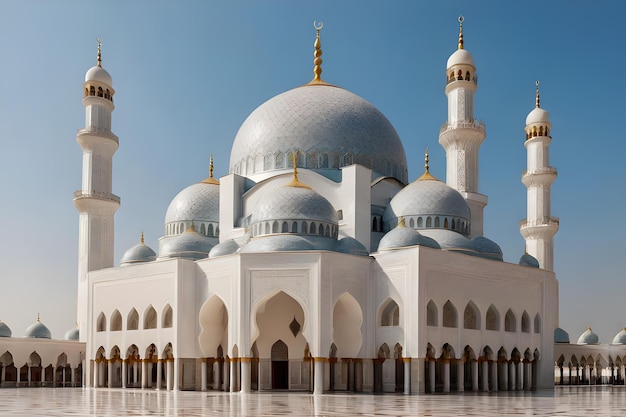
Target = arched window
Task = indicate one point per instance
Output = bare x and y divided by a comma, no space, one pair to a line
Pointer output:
537,323
209,230
525,323
390,315
347,159
321,230
510,322
267,228
492,320
285,228
411,222
132,322
294,227
92,90
429,222
449,315
471,316
101,324
445,223
305,228
107,94
419,222
275,227
313,229
327,231
116,321
168,318
280,160
431,314
150,318
375,224
100,93
467,76
202,229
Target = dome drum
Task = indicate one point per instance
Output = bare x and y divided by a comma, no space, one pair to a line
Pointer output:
456,224
295,226
205,228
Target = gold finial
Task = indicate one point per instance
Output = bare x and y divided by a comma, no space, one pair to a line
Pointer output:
401,221
317,69
211,180
537,93
192,227
426,175
99,52
295,182
38,318
142,239
461,31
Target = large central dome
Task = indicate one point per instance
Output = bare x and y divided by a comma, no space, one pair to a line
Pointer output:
331,127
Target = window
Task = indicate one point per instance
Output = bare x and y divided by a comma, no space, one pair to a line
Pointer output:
449,315
116,321
132,322
167,317
492,319
431,314
509,322
101,324
471,316
150,318
390,315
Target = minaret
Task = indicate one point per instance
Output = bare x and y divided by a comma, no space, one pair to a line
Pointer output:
95,202
539,227
462,135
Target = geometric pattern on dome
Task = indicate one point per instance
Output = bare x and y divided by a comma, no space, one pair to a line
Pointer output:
285,203
199,202
330,126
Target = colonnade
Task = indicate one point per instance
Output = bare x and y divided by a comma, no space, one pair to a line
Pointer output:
135,373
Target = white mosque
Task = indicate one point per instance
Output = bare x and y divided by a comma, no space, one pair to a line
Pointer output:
316,264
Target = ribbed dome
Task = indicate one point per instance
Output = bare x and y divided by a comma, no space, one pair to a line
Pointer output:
460,57
199,202
5,331
560,336
588,338
402,237
487,248
329,125
72,334
351,246
450,240
620,338
138,253
99,74
189,245
529,260
538,115
38,330
224,248
428,198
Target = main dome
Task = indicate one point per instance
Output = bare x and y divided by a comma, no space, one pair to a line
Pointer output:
330,126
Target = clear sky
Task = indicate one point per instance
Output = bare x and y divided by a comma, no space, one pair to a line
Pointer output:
188,73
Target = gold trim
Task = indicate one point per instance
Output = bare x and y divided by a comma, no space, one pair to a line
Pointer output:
427,176
99,52
295,182
537,94
461,31
210,180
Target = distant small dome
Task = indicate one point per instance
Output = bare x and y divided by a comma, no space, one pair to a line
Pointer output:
620,338
99,74
560,336
449,240
137,254
588,338
529,260
189,245
38,330
72,334
224,248
537,115
402,237
460,57
487,248
352,246
5,331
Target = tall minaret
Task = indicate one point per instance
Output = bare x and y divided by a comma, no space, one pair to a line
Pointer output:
94,201
539,227
462,135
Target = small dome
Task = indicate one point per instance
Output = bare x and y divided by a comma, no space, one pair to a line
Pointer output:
487,248
224,248
560,336
620,338
99,74
5,331
72,334
137,254
278,243
460,57
449,240
428,198
189,245
351,246
38,330
588,338
199,202
537,115
402,237
529,260
332,128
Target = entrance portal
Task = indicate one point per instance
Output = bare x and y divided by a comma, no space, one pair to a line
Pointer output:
280,365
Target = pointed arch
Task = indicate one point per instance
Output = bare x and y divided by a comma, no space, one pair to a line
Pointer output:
390,313
101,323
213,323
132,322
492,319
116,321
449,315
150,318
431,314
525,322
471,316
510,322
168,317
347,322
537,326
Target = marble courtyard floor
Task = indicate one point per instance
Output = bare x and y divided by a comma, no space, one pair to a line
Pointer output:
563,401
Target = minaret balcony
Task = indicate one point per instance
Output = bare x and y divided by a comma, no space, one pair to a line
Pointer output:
100,195
539,228
542,175
463,124
99,132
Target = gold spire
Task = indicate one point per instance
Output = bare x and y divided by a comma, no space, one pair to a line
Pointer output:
191,228
461,31
295,182
317,69
537,93
142,239
38,318
210,180
401,222
99,52
426,175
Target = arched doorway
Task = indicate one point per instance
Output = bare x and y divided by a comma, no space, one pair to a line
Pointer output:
280,365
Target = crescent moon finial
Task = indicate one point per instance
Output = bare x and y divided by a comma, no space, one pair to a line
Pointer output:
99,51
461,18
461,31
537,93
318,26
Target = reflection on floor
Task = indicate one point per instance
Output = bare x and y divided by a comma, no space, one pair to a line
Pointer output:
569,401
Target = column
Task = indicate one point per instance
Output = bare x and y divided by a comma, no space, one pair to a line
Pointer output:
485,375
135,372
227,374
431,374
520,376
144,373
446,375
169,374
124,372
3,375
318,378
474,375
110,373
159,372
460,375
233,374
17,380
71,376
42,377
407,375
494,375
176,374
28,376
246,374
504,373
203,379
96,367
512,377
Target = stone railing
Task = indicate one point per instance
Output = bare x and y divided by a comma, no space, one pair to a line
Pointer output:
96,194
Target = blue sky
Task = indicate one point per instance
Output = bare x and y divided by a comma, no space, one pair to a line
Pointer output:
188,73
